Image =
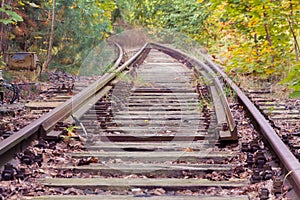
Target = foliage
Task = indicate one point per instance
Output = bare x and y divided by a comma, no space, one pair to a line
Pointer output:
71,129
258,38
267,41
294,81
30,33
12,17
2,64
71,133
176,16
99,60
261,38
81,25
8,17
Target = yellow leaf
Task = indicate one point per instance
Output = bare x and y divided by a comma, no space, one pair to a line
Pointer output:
21,3
188,149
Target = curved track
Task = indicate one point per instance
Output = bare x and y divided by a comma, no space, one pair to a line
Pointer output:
157,126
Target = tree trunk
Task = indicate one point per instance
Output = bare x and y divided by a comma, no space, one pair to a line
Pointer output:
49,56
291,24
3,32
268,36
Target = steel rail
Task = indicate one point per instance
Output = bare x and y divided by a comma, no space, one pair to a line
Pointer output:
38,128
78,100
44,124
224,116
287,158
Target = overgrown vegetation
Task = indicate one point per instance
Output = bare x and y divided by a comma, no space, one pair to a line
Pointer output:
251,38
80,25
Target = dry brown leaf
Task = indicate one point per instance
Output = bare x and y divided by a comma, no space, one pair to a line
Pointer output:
188,149
159,191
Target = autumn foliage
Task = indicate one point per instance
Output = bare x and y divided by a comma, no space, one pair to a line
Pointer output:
251,38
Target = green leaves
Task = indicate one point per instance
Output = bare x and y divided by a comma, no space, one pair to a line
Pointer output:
181,16
293,79
84,24
258,37
12,17
268,32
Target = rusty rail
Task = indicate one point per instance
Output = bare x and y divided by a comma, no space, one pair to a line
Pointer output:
40,127
43,125
226,125
77,101
289,161
21,139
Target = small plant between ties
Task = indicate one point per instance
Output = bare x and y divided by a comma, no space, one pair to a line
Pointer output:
71,134
271,107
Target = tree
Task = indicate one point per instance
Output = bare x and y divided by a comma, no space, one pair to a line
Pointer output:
254,37
80,26
49,54
8,16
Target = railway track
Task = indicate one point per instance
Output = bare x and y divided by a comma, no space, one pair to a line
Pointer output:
157,127
26,101
282,115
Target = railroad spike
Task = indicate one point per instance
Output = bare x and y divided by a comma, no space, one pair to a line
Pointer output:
254,146
250,160
260,159
8,173
256,177
20,174
264,194
268,173
245,147
27,158
7,134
